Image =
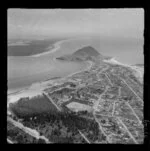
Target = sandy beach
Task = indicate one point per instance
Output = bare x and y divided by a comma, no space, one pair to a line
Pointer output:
138,70
37,88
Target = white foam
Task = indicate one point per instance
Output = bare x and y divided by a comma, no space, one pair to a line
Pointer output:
138,70
34,90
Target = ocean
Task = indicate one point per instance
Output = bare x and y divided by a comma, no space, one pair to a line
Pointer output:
25,70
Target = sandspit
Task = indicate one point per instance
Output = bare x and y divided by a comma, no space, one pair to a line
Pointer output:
56,48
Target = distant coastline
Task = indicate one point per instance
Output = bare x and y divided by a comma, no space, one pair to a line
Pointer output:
56,47
31,48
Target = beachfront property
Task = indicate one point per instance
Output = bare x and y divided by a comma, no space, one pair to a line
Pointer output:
72,77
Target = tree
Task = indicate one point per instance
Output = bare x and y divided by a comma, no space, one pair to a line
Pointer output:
41,141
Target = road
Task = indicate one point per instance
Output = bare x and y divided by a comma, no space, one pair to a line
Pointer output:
132,90
101,129
52,101
104,69
84,137
108,79
140,122
113,111
94,114
9,141
119,94
127,130
27,130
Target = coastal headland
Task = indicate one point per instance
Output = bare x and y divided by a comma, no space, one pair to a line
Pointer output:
87,103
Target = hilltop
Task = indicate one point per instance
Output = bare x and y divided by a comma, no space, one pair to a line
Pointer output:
83,54
88,50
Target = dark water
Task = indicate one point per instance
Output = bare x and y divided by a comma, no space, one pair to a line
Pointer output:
31,47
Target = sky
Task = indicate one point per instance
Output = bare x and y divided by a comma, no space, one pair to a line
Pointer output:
41,23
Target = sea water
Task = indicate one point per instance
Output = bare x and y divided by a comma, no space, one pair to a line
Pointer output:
25,70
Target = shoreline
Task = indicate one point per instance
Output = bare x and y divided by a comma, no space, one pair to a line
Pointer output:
56,46
133,67
37,88
51,48
89,62
51,80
